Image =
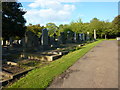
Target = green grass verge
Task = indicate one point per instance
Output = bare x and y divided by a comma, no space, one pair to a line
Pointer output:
42,77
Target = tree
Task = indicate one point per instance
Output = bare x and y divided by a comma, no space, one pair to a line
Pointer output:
52,28
37,29
13,22
116,25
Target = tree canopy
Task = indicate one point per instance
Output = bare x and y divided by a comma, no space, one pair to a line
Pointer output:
13,22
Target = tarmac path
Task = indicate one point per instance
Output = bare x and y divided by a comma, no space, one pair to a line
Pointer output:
96,69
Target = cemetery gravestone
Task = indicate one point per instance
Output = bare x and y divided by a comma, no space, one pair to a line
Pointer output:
44,39
88,37
80,37
11,41
94,34
62,38
75,39
36,42
31,41
83,36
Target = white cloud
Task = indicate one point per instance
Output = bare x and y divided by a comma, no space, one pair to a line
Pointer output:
44,11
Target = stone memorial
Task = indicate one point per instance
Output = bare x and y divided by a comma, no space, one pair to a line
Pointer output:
88,36
44,38
62,38
75,37
11,41
31,41
94,34
80,37
36,42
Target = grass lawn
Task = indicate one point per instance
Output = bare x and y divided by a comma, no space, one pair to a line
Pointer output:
42,77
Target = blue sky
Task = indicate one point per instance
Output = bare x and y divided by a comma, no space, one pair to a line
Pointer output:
41,12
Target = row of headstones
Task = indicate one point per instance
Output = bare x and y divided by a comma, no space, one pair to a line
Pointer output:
32,41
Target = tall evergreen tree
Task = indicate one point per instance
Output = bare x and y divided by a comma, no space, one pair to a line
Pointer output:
13,22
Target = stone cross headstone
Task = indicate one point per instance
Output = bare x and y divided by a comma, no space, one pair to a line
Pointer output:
95,34
44,39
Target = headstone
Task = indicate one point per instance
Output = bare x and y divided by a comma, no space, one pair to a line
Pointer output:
52,40
36,41
75,37
22,43
44,39
105,36
88,36
29,39
80,36
19,41
2,42
83,37
68,36
71,36
62,38
94,34
7,42
11,41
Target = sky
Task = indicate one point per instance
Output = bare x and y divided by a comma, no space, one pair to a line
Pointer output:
64,12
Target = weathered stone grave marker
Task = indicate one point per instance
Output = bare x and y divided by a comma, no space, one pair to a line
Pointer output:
94,34
88,36
44,39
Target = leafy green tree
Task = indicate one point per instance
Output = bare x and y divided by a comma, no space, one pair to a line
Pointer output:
77,26
13,22
96,24
52,29
37,29
116,25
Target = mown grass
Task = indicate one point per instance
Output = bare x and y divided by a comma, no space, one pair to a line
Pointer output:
42,77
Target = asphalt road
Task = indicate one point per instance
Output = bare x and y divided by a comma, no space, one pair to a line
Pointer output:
96,69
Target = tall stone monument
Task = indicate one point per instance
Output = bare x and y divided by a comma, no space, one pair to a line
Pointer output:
88,36
75,37
31,41
44,39
62,38
11,41
94,34
83,37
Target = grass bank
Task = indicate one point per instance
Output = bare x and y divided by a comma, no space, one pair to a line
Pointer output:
42,77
